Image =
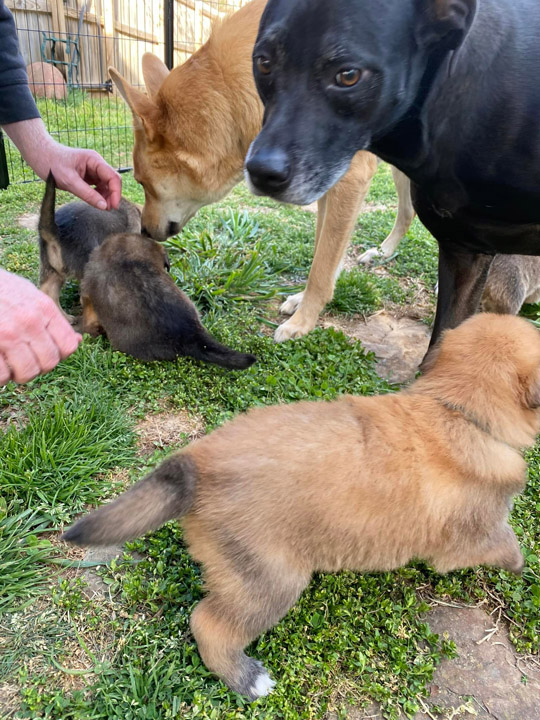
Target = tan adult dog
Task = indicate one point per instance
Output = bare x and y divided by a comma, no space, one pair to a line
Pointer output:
192,133
365,483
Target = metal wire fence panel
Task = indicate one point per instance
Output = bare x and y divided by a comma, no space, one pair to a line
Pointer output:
68,46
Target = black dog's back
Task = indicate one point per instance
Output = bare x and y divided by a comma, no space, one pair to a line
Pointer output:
142,311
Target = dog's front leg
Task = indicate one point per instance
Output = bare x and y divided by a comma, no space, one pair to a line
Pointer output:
405,216
342,204
462,277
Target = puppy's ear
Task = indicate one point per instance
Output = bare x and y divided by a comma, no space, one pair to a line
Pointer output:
154,72
444,21
144,110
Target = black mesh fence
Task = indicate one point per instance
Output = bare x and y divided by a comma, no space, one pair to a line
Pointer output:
68,46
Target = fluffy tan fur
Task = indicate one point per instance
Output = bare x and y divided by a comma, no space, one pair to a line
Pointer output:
365,483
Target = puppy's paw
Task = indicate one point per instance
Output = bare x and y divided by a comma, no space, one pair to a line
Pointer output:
291,304
370,256
255,682
295,327
263,685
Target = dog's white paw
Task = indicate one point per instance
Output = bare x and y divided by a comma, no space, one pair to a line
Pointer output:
294,327
263,685
291,304
370,255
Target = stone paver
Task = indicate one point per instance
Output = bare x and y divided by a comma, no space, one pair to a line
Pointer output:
487,681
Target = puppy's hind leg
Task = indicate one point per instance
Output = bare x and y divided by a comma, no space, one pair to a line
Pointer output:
51,283
224,623
90,322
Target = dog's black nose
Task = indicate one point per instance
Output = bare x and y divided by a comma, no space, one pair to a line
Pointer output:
269,169
173,229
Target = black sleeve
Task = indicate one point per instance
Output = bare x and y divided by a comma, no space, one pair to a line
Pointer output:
16,101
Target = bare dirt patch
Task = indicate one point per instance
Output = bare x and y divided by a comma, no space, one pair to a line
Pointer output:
12,417
29,221
9,699
166,428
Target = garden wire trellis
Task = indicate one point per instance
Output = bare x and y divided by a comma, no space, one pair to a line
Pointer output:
81,38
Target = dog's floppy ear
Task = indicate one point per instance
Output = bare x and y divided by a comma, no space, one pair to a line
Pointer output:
444,21
154,72
143,108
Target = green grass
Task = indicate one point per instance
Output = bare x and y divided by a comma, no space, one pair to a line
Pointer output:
360,291
220,266
23,556
351,638
56,461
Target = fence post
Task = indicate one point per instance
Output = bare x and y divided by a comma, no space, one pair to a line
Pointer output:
4,170
169,33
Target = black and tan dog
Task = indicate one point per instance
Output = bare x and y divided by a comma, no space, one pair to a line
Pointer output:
365,483
68,236
445,90
127,293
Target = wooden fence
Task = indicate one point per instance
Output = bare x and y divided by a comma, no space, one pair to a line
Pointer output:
107,32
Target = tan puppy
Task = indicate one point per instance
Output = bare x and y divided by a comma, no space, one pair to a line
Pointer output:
192,133
365,483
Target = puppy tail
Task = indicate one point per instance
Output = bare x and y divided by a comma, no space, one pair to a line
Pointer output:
209,350
47,226
167,493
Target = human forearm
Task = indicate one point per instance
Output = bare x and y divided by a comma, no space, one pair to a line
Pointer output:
74,169
16,102
34,143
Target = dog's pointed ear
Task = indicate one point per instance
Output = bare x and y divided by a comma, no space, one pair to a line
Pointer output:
143,108
154,72
444,21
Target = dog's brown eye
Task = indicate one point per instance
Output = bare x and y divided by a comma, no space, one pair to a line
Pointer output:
264,65
348,78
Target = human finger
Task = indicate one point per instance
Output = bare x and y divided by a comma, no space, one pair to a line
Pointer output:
5,371
23,363
63,335
74,183
46,350
107,181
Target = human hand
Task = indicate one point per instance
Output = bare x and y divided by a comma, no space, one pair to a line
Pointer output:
34,335
74,169
77,170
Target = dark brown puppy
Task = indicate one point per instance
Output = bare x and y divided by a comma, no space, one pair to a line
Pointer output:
365,483
127,293
68,236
